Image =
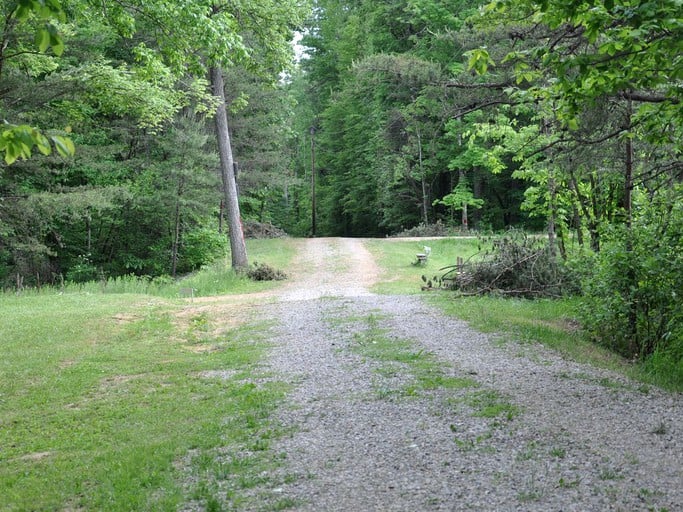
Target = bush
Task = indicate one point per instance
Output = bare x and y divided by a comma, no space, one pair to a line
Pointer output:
83,270
436,229
201,246
634,288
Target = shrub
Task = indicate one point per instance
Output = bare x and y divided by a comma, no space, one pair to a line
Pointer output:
201,246
83,270
436,229
634,289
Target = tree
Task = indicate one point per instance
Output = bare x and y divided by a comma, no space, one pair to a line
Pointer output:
18,140
237,245
222,30
604,76
117,77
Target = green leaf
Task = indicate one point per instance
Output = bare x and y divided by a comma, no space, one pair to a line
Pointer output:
55,40
479,60
11,153
64,145
43,144
42,39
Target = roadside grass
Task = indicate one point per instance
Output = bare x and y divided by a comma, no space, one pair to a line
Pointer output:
213,279
397,259
105,404
551,322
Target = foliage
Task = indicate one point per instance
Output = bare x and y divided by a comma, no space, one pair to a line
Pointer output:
460,197
200,246
601,82
18,142
604,48
634,284
426,230
140,195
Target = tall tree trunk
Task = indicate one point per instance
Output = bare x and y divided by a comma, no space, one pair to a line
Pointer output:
634,344
423,181
313,198
175,246
552,196
477,192
552,235
237,245
176,239
464,220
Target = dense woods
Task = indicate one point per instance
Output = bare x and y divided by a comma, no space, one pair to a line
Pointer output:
120,154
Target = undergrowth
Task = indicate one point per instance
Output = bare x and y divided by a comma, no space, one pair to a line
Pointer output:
211,279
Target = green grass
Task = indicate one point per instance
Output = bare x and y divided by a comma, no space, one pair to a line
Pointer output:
491,404
397,260
213,279
404,356
427,372
106,404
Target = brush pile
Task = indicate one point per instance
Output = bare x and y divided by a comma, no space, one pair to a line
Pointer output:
517,265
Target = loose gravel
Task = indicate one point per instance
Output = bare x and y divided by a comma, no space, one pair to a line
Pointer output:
569,437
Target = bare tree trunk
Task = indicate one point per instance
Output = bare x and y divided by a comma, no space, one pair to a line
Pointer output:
237,245
425,199
634,344
313,198
464,220
175,246
552,235
176,240
552,193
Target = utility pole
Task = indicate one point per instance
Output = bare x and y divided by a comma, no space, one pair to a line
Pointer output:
313,227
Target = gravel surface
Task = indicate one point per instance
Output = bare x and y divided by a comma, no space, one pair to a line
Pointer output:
574,438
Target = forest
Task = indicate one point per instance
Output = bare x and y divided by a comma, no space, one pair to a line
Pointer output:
138,135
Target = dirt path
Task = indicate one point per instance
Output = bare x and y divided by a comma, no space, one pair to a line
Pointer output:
331,267
525,430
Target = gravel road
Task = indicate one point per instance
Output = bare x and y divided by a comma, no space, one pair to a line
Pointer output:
567,437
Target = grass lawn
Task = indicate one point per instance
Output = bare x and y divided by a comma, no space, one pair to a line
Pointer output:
398,260
109,402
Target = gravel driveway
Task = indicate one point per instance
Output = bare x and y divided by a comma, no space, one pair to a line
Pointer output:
527,430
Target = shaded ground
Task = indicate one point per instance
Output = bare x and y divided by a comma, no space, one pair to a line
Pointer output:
526,431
